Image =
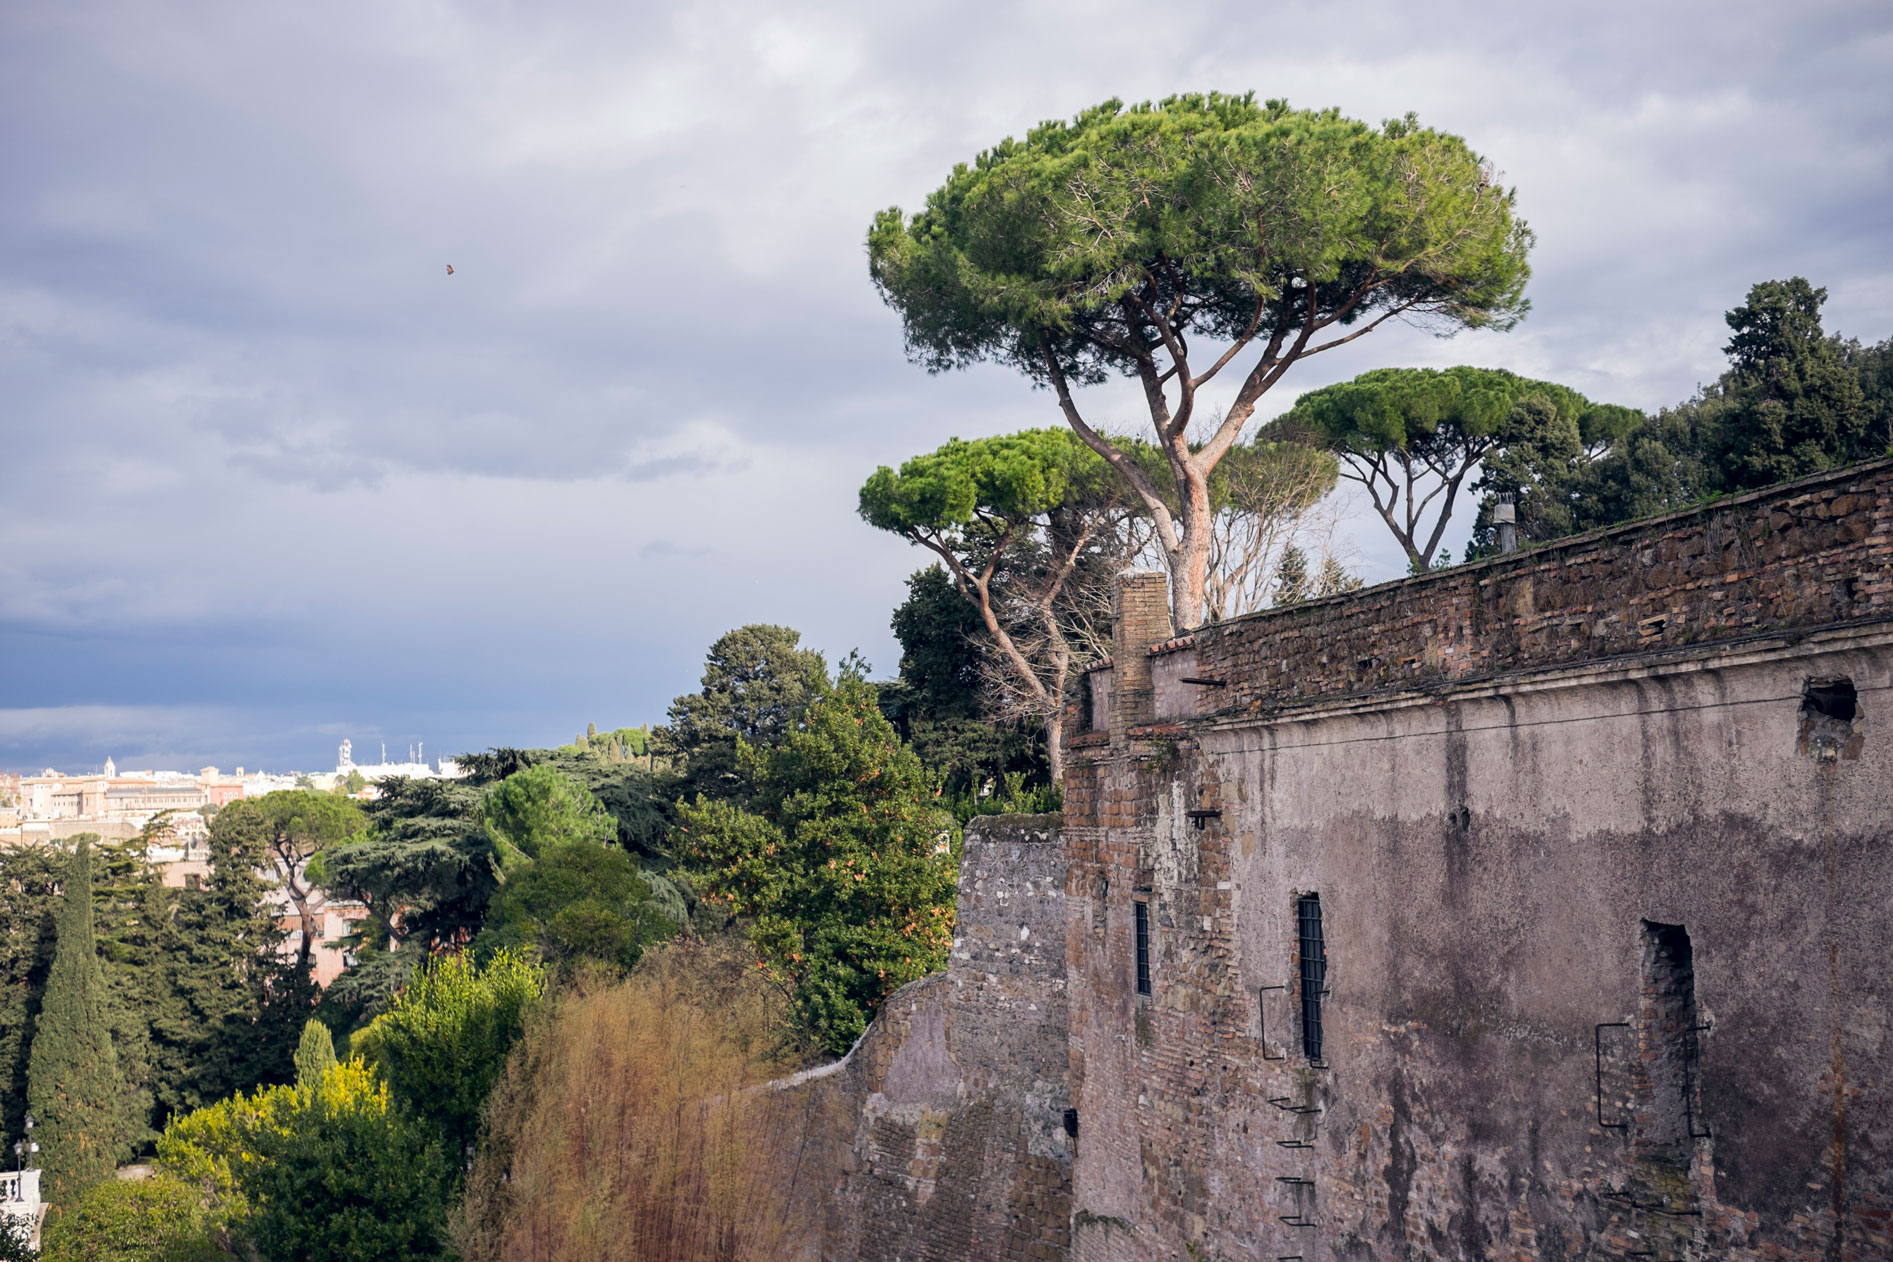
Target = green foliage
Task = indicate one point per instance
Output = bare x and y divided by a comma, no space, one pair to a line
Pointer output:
159,1219
539,808
934,705
231,1009
427,867
639,799
313,1175
1292,584
843,866
30,877
578,901
1796,406
444,1041
196,1000
987,489
1013,518
16,1241
74,1086
1227,208
1411,436
756,681
315,1055
1793,401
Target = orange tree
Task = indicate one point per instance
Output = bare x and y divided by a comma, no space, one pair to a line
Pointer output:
842,867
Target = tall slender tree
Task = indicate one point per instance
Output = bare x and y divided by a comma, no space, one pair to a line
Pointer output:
1174,242
73,1081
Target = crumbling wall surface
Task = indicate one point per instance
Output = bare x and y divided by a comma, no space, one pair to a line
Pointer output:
1604,941
942,1133
1814,553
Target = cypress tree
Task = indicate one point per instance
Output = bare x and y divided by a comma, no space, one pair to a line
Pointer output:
315,1055
73,1081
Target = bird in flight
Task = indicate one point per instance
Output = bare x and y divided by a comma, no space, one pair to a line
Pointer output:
450,269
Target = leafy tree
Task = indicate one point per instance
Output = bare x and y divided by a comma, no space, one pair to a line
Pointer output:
639,800
30,877
426,868
134,923
1796,405
1104,246
756,681
540,808
577,901
1262,494
284,831
315,1055
843,866
333,1174
445,1040
1412,436
1334,579
977,505
229,1008
1873,367
16,1241
159,1219
73,1082
934,704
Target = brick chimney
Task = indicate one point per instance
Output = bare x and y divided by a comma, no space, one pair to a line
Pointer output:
1140,617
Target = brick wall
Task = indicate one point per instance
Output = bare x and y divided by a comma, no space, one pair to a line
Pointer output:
1814,553
1605,893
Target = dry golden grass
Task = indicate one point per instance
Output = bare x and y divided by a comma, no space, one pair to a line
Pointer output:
623,1131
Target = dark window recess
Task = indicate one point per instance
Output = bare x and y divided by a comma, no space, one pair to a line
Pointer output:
1071,1122
1831,699
1314,972
1668,1059
1142,911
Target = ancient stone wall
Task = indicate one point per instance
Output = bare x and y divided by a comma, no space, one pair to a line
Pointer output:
1816,553
942,1134
1538,909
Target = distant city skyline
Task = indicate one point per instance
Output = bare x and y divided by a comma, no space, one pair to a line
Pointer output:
273,477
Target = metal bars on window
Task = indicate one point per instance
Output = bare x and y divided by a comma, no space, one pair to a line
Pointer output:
1314,972
1141,910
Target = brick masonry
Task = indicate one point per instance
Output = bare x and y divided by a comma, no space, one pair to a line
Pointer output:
1600,837
1606,894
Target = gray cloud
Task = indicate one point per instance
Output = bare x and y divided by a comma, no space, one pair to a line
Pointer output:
258,444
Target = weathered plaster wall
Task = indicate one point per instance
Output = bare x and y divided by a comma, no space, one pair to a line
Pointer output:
1493,780
941,1136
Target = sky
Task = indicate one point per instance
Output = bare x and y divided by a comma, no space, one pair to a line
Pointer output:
270,477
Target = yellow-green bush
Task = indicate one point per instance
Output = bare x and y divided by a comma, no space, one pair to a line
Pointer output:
147,1220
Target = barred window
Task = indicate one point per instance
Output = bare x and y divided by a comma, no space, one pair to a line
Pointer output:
1141,910
1314,972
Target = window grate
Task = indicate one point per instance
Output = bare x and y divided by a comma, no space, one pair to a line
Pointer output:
1142,911
1314,973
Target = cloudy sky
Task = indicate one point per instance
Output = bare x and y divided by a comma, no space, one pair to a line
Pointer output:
271,477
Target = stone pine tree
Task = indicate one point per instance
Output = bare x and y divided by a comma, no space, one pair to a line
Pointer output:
1412,437
1199,247
1012,518
73,1081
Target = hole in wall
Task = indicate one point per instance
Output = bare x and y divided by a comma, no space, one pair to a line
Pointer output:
1831,698
1830,719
